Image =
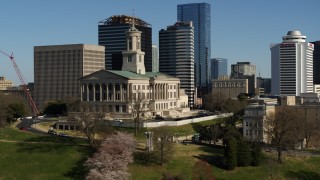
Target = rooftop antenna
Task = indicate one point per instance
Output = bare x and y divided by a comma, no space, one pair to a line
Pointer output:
259,73
133,18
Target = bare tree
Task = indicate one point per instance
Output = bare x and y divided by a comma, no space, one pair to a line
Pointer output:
112,158
139,106
202,170
163,144
90,123
215,101
309,126
283,128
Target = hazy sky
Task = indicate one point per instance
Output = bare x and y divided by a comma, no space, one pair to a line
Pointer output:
241,30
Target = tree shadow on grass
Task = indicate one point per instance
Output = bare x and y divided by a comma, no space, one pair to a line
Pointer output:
196,127
146,158
304,175
215,160
79,171
215,156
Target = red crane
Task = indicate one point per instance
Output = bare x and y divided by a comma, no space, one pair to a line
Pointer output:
24,85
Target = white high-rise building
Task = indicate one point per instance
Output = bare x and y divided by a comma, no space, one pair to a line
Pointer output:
292,65
155,58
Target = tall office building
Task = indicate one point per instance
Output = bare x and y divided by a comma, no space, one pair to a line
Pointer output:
199,14
176,55
245,70
219,67
292,65
112,35
316,62
155,58
58,68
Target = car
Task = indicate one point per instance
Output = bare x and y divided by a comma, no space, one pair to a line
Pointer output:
117,120
63,135
158,117
23,128
52,132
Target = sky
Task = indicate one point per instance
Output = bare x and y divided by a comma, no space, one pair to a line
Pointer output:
241,30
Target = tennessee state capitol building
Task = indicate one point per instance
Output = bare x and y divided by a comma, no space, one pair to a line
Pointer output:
114,92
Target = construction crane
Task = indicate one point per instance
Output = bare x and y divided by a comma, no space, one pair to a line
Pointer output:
24,85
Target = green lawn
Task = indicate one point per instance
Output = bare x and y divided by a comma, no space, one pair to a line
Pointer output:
53,157
186,155
40,157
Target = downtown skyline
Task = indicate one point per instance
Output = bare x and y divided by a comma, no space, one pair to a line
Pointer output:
240,31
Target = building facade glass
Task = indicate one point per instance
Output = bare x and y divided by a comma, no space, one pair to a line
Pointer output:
176,55
219,67
112,35
199,14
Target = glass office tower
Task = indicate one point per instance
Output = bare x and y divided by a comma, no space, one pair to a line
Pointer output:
112,35
199,14
219,67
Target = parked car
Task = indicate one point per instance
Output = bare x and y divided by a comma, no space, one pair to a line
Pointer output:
23,128
52,132
63,135
158,117
117,120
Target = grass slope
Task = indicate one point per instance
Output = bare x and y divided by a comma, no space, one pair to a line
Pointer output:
39,157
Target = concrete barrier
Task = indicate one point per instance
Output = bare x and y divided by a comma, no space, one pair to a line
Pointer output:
172,123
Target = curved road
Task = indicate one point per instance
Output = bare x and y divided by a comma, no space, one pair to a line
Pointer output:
27,123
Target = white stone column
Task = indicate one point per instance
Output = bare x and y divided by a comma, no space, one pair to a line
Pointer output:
121,92
88,95
114,91
100,86
81,92
129,86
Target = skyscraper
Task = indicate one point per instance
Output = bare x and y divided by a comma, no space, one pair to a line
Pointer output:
112,35
58,68
176,55
219,67
292,65
316,62
155,58
199,14
245,70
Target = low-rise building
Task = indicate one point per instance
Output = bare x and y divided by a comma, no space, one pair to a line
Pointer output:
230,88
5,84
254,119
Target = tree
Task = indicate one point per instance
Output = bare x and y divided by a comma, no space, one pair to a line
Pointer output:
16,110
139,106
216,132
230,153
282,127
243,153
90,123
112,158
236,106
202,170
55,108
256,154
163,145
6,99
215,101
